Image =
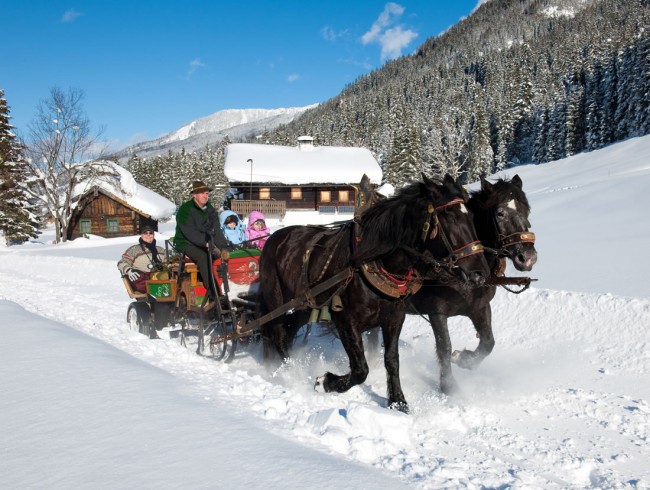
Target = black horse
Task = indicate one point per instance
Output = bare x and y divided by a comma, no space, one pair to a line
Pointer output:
500,213
379,261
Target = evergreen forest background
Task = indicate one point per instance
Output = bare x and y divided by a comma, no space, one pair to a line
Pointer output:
518,81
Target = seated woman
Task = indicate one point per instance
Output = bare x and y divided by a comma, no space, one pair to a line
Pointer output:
232,227
257,232
140,260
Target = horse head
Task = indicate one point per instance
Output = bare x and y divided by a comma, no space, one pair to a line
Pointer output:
450,235
501,213
425,222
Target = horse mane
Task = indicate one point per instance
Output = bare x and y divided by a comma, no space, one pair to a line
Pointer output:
398,220
500,191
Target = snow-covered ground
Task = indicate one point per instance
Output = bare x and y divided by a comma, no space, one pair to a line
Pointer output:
562,402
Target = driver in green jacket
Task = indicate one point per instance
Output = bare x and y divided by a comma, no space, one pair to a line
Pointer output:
198,232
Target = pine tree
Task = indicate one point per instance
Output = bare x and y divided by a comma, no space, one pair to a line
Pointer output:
575,122
18,219
404,160
481,156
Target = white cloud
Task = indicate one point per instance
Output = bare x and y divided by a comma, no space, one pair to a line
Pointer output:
70,16
293,77
329,34
391,36
391,10
195,64
394,40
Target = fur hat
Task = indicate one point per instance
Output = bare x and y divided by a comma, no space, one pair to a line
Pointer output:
198,186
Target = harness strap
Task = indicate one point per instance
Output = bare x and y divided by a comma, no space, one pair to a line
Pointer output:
471,248
457,200
427,222
400,283
304,273
344,275
519,237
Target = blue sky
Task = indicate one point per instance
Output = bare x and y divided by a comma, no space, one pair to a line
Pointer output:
147,68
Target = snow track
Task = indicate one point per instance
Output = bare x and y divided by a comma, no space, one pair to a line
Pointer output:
562,402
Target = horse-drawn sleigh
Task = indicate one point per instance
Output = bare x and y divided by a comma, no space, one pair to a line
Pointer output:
176,304
364,273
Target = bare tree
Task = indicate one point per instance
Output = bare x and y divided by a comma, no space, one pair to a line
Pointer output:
60,138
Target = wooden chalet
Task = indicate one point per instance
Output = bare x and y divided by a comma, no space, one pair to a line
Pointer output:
279,179
104,213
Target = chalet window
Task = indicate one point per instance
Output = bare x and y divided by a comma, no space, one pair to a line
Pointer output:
296,193
265,193
85,226
112,225
344,196
326,196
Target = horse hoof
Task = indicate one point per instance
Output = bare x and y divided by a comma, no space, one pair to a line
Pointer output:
449,388
400,406
465,359
455,356
319,385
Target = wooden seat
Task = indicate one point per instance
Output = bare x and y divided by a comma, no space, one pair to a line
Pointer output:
129,289
190,267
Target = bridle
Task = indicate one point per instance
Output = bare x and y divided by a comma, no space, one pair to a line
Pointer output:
400,286
505,241
432,222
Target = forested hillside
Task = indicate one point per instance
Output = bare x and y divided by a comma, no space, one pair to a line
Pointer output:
517,81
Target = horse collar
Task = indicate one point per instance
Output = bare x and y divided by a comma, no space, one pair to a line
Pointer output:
389,284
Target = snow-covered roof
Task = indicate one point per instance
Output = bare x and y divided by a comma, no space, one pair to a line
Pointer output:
124,187
292,166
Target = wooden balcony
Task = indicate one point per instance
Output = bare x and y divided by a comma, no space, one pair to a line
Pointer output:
269,208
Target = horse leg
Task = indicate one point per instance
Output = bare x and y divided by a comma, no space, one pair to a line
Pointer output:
297,320
482,321
373,341
443,350
276,342
353,345
396,399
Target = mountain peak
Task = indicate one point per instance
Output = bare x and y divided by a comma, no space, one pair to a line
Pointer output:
196,134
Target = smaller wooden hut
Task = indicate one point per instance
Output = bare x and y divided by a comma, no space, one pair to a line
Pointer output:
100,213
116,207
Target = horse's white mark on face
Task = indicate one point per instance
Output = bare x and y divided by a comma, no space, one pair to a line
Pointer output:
512,204
463,208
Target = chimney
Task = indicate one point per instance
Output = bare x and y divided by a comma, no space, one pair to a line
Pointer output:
305,143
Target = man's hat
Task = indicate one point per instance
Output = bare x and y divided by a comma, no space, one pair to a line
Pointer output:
198,186
146,228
